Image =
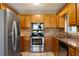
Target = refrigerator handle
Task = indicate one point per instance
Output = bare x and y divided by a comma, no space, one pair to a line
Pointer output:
14,36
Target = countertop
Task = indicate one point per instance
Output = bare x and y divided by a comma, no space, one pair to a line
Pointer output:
74,42
64,37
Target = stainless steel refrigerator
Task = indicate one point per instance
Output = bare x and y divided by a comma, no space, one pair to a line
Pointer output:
9,33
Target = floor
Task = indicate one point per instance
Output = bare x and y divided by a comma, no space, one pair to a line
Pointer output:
37,54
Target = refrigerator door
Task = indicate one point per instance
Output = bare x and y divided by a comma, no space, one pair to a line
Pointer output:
12,39
2,52
9,46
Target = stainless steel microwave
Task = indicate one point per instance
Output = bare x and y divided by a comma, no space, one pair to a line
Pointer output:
37,26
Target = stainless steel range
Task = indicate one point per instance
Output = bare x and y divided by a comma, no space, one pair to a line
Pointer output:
37,37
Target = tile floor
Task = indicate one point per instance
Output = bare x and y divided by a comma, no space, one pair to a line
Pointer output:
37,54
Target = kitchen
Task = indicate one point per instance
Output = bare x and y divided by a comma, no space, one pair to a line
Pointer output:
47,29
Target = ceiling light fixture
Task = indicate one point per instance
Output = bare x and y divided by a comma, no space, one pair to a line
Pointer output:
36,3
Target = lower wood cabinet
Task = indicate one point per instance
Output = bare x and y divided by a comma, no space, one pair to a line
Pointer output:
22,43
68,50
76,52
71,51
25,43
55,46
48,44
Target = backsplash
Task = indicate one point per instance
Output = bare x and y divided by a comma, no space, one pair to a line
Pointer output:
24,32
50,32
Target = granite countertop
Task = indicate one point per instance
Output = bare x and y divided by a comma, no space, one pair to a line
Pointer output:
69,41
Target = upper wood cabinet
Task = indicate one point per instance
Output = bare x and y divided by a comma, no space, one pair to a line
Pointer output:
72,14
50,21
22,22
61,22
77,14
37,19
70,10
63,11
53,21
28,21
46,21
61,17
3,6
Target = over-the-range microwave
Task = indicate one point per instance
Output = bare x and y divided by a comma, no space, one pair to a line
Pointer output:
37,26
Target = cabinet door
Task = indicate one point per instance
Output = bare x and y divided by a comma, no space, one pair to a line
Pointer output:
23,48
77,52
53,21
27,44
28,21
72,14
46,21
71,51
37,19
77,14
57,22
22,21
61,22
48,44
55,46
3,6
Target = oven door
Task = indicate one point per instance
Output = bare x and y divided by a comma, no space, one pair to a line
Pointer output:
37,41
37,44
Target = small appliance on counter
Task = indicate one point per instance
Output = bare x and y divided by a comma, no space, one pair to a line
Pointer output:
37,37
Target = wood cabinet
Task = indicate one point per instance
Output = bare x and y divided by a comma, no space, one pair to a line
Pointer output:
48,44
22,22
50,21
37,19
57,21
63,10
71,51
61,22
55,46
28,21
70,10
77,14
46,21
25,43
61,17
76,52
3,6
53,21
72,14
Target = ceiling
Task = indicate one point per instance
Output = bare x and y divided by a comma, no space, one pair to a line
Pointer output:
43,8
